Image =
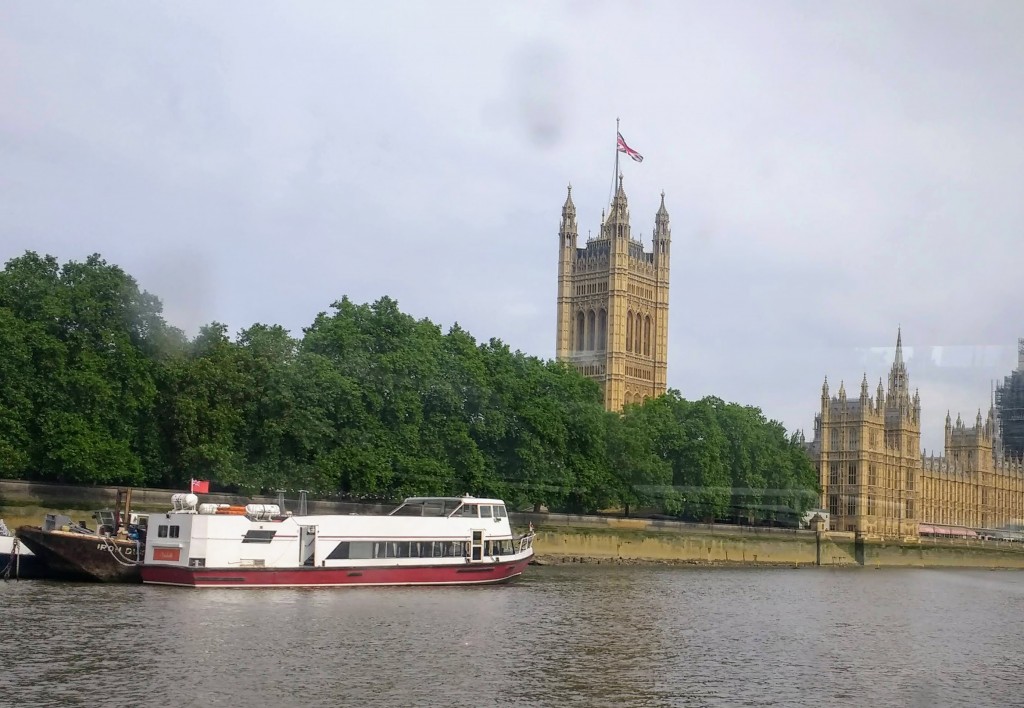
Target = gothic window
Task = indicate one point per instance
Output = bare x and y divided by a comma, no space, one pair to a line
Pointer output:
851,505
629,331
833,474
910,508
910,481
591,330
637,333
602,329
871,506
647,335
579,331
872,476
872,439
833,504
852,475
835,439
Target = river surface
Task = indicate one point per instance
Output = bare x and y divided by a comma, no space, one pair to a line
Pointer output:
575,635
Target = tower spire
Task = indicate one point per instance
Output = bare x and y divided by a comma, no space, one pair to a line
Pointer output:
899,344
569,213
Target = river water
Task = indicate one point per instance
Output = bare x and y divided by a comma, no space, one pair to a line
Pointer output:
575,635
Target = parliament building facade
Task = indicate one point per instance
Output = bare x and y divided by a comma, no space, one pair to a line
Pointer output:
875,480
612,321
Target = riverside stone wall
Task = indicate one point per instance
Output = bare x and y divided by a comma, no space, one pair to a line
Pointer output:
565,536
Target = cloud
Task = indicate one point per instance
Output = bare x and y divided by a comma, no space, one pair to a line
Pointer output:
832,171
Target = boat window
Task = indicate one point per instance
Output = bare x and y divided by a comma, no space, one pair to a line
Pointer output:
468,510
450,505
485,512
161,531
174,531
360,549
499,512
340,551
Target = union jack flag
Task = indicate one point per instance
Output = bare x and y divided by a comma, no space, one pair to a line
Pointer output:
628,150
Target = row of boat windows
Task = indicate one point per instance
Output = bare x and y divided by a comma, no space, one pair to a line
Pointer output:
347,550
165,531
451,508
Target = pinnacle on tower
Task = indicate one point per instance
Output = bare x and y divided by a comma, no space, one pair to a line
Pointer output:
864,387
899,345
568,214
661,220
824,388
620,205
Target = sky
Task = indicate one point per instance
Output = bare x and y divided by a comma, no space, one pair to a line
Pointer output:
833,171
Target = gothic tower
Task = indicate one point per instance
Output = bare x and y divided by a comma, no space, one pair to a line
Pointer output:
613,303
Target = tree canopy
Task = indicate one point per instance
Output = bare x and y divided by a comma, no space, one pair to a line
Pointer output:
370,403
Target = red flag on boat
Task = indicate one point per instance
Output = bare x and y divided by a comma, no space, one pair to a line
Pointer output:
200,486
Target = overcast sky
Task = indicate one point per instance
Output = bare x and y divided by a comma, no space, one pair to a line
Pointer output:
832,171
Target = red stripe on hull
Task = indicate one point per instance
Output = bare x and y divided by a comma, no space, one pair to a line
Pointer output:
468,574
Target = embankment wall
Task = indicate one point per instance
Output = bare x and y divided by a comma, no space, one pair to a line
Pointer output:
564,536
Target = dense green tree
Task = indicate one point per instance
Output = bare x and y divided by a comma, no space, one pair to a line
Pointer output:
369,403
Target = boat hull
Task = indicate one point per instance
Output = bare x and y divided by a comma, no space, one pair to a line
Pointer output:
79,556
468,574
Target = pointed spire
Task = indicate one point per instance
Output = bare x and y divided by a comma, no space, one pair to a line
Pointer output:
568,215
824,388
662,211
661,221
977,421
842,390
568,200
620,205
899,394
864,387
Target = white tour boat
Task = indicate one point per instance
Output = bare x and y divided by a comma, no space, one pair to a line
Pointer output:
425,541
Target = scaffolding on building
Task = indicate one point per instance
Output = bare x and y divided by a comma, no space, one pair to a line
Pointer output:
1009,404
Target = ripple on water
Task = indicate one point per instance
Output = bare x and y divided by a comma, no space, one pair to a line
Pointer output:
580,635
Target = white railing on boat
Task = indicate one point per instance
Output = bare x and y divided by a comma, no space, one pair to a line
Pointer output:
526,542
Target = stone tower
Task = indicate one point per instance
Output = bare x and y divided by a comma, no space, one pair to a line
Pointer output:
613,303
868,455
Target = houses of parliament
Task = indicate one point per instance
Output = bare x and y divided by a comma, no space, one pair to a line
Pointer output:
612,325
876,482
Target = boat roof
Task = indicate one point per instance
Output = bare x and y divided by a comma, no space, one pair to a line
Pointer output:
462,500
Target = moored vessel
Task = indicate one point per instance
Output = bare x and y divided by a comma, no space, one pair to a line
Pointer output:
424,541
110,553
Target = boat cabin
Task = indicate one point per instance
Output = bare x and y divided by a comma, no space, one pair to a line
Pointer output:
422,531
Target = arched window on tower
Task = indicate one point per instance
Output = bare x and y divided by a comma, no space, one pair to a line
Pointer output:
591,329
579,331
638,333
602,329
647,335
629,331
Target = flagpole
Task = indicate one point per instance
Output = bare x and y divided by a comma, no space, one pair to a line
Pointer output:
611,192
616,175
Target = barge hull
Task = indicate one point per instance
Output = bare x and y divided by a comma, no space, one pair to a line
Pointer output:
79,556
